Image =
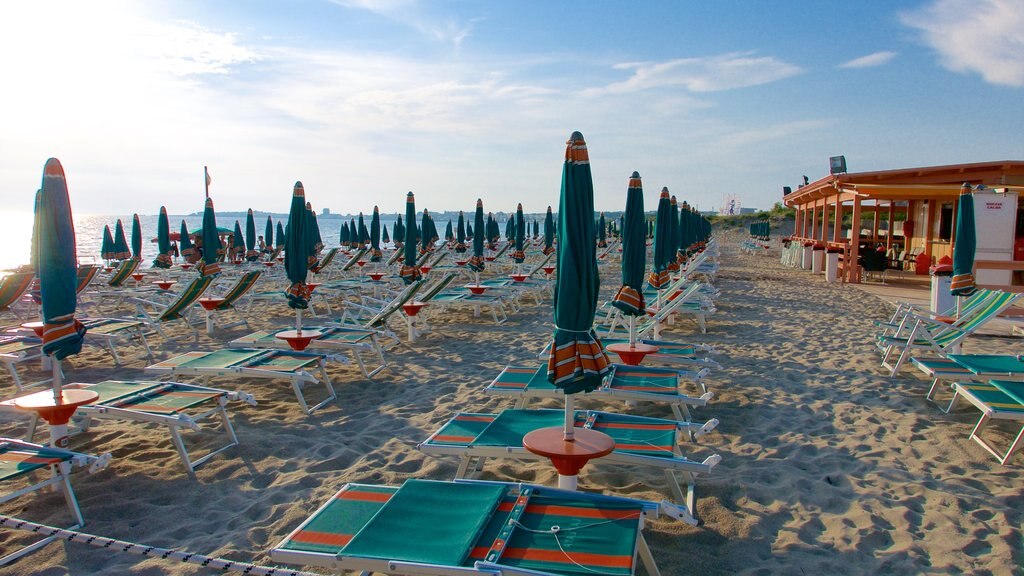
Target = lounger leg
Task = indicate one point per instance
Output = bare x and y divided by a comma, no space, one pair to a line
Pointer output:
179,445
464,466
645,556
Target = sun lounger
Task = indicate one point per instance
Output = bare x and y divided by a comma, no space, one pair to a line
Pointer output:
677,353
86,274
16,349
295,367
230,299
469,527
997,400
171,404
627,383
638,441
12,288
970,367
22,462
123,272
334,338
156,315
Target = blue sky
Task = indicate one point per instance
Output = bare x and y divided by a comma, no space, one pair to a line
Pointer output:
364,100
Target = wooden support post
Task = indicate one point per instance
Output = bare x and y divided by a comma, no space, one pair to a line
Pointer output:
814,221
892,228
874,222
854,270
932,207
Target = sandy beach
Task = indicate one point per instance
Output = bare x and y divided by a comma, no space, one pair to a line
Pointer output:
828,466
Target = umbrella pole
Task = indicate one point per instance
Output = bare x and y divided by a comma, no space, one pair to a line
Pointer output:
298,320
632,331
58,432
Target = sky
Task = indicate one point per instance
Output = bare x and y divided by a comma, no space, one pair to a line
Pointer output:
364,100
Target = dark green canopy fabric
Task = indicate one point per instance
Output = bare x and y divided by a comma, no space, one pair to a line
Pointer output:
964,245
375,253
673,224
121,251
298,248
237,242
136,237
107,245
280,240
460,234
519,256
664,248
163,240
58,261
449,232
630,298
476,263
268,236
211,242
399,233
188,252
549,232
384,234
250,237
602,238
577,362
409,272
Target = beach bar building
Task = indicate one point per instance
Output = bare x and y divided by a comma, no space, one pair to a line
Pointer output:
910,212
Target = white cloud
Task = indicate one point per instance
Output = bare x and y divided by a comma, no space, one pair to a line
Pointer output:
981,36
871,60
707,74
410,13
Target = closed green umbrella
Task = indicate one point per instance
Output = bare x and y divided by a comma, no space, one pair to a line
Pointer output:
399,233
686,231
577,362
510,229
536,229
384,234
188,252
120,243
136,238
602,238
297,253
493,231
107,245
315,240
409,272
364,234
250,237
476,262
673,227
469,231
549,232
460,234
268,236
964,245
36,228
279,239
449,232
375,254
664,251
57,259
163,240
426,233
630,298
237,242
343,235
519,255
211,241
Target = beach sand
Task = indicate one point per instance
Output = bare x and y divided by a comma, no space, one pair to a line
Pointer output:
828,466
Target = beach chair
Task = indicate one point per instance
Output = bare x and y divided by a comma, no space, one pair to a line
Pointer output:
253,363
115,333
674,353
85,275
16,349
656,318
966,306
156,314
231,297
364,317
465,527
969,367
24,463
461,297
923,333
639,441
173,405
123,272
324,262
333,339
626,383
12,288
997,400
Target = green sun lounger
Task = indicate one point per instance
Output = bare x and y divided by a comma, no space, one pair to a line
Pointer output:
12,288
295,367
24,463
997,400
170,404
334,338
639,441
468,527
969,367
627,383
16,349
113,333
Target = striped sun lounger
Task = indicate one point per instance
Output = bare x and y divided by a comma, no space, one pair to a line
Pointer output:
115,332
428,527
628,383
638,441
997,400
352,340
16,349
295,367
171,404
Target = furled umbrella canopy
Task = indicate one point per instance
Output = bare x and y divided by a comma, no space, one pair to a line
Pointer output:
211,242
363,233
449,232
384,234
519,256
268,236
577,362
476,262
343,234
237,242
375,254
630,298
136,238
297,250
469,231
673,233
664,249
120,243
280,239
353,234
107,245
315,240
460,234
549,232
686,232
250,237
409,272
399,233
163,240
426,233
602,239
964,245
188,252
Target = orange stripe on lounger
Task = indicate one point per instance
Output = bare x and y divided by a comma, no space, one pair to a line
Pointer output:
632,426
325,538
467,418
459,439
520,370
27,458
365,496
640,447
642,388
580,512
587,559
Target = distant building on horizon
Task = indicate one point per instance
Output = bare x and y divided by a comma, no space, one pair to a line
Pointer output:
326,212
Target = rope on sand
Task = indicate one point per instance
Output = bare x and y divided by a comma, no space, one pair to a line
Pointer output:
143,550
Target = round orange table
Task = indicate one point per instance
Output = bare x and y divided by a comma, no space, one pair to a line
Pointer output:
36,327
375,276
56,410
164,284
518,277
631,355
411,310
477,288
298,340
461,262
549,270
489,258
269,263
361,263
185,266
568,457
138,276
210,304
108,269
312,286
425,269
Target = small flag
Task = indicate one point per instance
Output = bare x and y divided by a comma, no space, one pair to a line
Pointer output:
208,180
